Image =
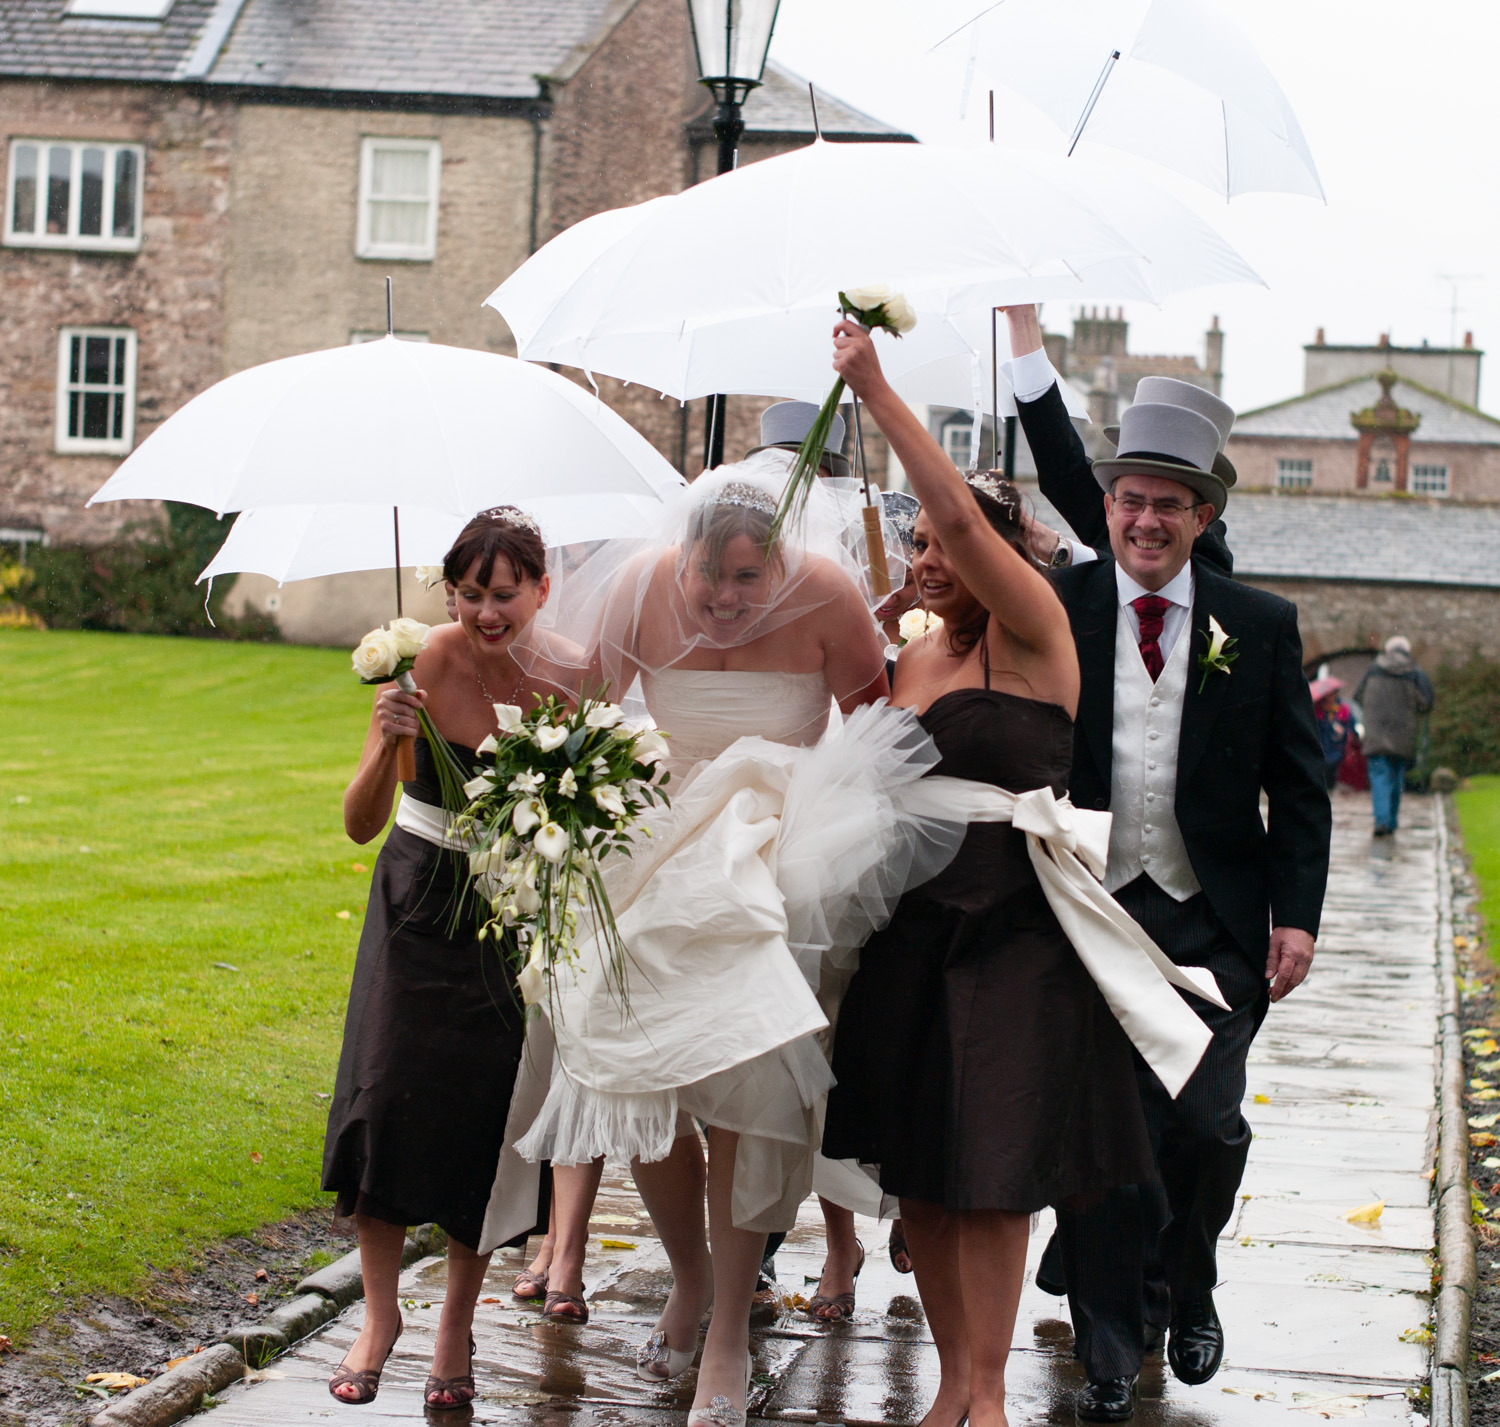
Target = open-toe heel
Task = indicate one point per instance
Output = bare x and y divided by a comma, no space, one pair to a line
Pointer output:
459,1390
565,1307
365,1382
721,1412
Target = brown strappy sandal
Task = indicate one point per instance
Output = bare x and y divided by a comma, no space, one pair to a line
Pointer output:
366,1382
529,1285
460,1389
565,1308
840,1307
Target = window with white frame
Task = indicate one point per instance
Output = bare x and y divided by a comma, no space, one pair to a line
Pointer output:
958,443
398,198
71,194
1293,474
96,390
121,9
1429,480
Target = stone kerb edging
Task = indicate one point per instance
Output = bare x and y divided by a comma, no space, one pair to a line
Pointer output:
321,1296
1455,1212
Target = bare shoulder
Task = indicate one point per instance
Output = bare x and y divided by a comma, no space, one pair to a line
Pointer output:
445,645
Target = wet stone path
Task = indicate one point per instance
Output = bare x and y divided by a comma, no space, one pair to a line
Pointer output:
1322,1316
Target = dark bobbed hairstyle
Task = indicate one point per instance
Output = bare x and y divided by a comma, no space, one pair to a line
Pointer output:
1002,506
502,532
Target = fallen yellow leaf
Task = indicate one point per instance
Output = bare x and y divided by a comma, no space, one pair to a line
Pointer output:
1262,1099
1485,1095
1487,1047
1483,1122
1483,1140
342,916
615,1244
359,867
1366,1213
116,1381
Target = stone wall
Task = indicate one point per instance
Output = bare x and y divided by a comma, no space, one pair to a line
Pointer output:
171,292
1443,622
295,284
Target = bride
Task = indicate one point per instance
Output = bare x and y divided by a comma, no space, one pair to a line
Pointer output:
782,846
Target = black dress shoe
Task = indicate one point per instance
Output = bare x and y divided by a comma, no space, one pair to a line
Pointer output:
1049,1270
1196,1346
1112,1400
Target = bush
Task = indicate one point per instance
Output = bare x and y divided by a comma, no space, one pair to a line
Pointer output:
1464,730
141,583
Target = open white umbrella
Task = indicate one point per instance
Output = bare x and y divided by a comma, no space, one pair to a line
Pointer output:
1174,81
732,285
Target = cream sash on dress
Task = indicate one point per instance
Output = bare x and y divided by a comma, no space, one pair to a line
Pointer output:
1069,848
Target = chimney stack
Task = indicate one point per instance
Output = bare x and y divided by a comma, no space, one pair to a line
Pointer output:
1318,340
1468,339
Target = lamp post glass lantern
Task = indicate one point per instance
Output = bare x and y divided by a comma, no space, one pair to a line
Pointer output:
731,39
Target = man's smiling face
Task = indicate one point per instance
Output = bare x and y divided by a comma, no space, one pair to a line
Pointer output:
1153,521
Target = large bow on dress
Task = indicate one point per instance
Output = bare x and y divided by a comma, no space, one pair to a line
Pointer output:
1069,847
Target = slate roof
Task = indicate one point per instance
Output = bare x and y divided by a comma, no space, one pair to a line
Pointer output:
488,48
38,39
781,106
1324,414
1313,537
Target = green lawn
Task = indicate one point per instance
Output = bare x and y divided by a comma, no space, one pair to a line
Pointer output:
165,804
1479,815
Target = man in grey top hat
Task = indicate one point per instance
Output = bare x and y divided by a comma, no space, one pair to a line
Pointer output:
784,427
1192,704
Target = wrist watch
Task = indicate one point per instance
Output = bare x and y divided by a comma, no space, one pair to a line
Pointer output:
1062,556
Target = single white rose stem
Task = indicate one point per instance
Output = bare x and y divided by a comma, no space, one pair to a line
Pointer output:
880,574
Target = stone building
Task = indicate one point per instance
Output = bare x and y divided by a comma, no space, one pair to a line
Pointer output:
192,187
1377,420
1096,361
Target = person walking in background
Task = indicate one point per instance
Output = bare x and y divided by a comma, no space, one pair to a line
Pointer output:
1393,694
1334,722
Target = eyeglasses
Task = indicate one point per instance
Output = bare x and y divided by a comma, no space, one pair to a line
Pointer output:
1168,510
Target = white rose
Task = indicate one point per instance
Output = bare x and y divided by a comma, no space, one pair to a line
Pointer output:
603,716
410,635
870,296
549,736
488,744
609,800
551,842
509,718
913,624
376,657
429,575
532,813
650,747
567,785
900,314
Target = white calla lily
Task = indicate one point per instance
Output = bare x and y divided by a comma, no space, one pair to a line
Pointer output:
551,842
509,717
528,815
549,737
609,800
488,744
650,747
603,716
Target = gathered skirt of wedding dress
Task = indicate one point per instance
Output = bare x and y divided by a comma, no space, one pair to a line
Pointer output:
755,891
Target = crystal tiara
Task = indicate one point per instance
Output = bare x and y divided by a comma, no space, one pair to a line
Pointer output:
1001,492
510,515
743,493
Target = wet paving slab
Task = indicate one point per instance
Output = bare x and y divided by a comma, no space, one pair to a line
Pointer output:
1323,1317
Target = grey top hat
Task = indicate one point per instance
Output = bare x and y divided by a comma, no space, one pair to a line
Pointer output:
902,511
784,427
1161,440
1171,392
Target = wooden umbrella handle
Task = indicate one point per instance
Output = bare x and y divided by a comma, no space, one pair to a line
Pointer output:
406,760
880,574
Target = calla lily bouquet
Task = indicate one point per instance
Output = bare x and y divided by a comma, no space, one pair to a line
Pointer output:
566,791
875,305
386,656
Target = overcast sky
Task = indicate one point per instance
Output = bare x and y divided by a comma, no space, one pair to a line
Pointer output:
1401,108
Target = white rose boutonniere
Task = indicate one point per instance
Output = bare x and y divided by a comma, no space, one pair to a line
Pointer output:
1219,655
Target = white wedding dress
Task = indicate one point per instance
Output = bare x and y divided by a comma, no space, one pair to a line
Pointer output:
783,849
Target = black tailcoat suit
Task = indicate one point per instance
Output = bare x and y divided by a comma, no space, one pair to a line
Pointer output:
1249,730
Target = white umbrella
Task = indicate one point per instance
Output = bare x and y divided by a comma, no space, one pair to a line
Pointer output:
731,286
1174,81
303,542
392,424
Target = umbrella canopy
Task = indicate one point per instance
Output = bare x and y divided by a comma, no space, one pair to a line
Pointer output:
303,542
731,286
392,424
1174,81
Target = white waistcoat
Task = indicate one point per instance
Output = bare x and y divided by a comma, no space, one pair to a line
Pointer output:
1144,836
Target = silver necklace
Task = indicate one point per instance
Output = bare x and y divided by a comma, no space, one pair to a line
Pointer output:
489,698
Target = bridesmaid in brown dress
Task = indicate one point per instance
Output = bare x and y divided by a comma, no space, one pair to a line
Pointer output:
978,1066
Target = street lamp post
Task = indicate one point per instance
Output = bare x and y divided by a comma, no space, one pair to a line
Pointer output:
731,39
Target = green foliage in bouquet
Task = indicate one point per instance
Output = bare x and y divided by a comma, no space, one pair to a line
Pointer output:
566,791
873,306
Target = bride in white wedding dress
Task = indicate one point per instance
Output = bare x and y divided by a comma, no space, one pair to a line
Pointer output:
782,850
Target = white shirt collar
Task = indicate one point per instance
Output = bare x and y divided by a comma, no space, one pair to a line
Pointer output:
1178,590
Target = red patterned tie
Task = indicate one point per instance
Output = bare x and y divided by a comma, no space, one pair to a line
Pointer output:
1152,610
